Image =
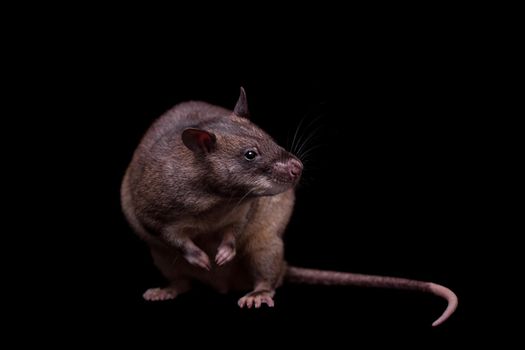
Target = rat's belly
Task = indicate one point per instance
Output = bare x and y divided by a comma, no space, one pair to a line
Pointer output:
233,276
229,277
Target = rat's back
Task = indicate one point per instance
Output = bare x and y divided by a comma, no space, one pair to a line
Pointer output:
178,118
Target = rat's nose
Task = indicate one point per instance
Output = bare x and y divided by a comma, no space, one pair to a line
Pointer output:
295,168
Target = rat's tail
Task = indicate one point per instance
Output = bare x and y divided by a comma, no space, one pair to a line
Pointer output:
310,276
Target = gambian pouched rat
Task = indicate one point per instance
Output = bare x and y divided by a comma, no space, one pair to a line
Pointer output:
206,182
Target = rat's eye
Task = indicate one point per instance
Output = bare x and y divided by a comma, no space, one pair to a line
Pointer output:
250,155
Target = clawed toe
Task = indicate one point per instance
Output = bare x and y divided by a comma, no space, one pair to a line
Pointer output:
256,299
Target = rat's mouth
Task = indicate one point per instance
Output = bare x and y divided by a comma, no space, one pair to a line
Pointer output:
275,185
282,184
281,181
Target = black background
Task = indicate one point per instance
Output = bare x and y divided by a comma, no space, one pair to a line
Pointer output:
389,188
384,192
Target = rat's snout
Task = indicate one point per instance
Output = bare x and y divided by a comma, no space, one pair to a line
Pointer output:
288,170
295,168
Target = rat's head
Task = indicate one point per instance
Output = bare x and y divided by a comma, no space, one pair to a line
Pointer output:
240,158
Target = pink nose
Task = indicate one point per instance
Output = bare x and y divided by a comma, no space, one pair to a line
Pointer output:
295,168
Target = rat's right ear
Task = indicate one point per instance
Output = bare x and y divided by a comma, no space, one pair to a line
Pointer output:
199,140
241,107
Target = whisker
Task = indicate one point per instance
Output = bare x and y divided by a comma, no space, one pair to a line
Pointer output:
295,134
310,137
300,139
308,151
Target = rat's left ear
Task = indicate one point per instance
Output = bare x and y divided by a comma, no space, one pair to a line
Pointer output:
241,108
199,140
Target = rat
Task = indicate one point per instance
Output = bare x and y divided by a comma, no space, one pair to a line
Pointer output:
211,194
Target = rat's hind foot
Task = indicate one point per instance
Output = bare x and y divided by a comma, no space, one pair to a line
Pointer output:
257,298
167,293
158,294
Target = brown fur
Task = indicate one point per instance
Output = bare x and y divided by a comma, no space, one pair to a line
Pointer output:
191,203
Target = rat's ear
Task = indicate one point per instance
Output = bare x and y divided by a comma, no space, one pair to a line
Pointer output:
199,140
241,108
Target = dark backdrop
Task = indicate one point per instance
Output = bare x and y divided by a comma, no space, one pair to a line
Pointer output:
384,188
387,188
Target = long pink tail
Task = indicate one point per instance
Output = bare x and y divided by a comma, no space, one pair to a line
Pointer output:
311,276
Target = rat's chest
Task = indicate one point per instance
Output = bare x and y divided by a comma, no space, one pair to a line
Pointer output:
218,219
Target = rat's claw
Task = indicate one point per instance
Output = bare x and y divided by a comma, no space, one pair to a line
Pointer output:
268,301
224,254
199,258
243,302
257,302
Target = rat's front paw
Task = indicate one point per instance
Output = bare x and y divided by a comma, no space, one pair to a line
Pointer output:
198,258
224,254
